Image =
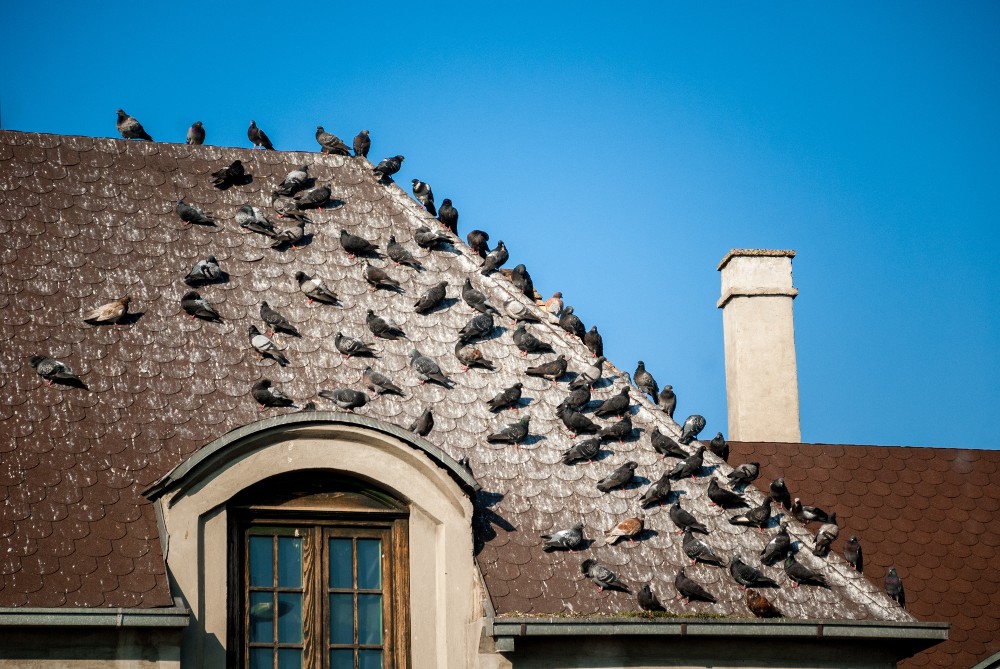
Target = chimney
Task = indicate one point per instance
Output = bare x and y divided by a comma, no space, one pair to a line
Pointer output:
762,387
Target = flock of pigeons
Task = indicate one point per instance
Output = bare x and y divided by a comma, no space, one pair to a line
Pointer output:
294,196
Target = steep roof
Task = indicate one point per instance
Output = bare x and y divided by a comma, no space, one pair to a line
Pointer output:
930,512
87,220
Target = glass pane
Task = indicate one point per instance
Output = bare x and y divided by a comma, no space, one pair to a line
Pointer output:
261,618
369,659
369,619
289,658
261,562
341,573
261,658
369,564
342,618
289,617
289,562
341,659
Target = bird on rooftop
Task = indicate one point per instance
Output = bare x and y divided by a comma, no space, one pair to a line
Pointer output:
109,313
576,422
602,576
508,398
552,370
314,198
657,493
428,239
423,424
384,327
719,446
826,536
265,346
571,323
478,241
777,548
647,600
801,574
472,356
379,383
692,427
387,167
349,346
357,246
644,381
228,176
400,255
198,307
529,343
807,514
698,550
476,299
379,278
725,499
56,371
590,375
130,128
567,540
514,433
246,217
593,341
522,281
689,466
853,553
432,297
757,517
554,306
621,430
426,369
275,321
685,520
314,289
290,236
495,259
689,589
293,182
191,214
615,405
425,196
627,528
345,398
667,400
666,446
748,576
894,587
744,474
330,143
196,133
362,144
258,138
268,396
448,216
618,478
779,493
760,606
585,450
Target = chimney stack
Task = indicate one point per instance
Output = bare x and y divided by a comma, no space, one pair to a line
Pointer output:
762,387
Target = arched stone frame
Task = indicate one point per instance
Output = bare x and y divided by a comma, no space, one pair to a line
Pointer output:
445,593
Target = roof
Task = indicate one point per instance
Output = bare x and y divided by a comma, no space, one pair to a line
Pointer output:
930,512
87,220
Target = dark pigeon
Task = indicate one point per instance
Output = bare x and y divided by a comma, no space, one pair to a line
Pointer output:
248,219
495,259
699,551
476,299
56,371
616,405
689,589
478,327
571,323
357,246
756,517
726,499
478,242
190,214
108,314
552,370
564,540
779,493
448,216
258,138
593,341
362,144
807,514
231,175
275,321
428,239
288,208
267,396
803,575
522,281
719,446
578,398
423,424
826,536
602,576
349,346
293,182
691,429
514,433
426,369
399,255
387,167
666,446
590,375
685,520
894,587
644,381
130,128
472,356
384,327
648,601
690,465
314,198
290,236
585,450
345,398
760,606
509,398
330,143
265,346
621,430
431,298
379,278
528,343
196,133
748,576
314,289
777,548
853,553
667,400
379,383
196,306
576,422
425,196
618,478
204,272
657,493
744,474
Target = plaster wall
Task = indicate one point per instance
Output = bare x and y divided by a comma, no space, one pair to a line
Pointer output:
90,649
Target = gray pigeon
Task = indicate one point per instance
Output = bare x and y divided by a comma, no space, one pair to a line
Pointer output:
231,175
645,382
428,239
291,236
853,553
585,450
190,214
621,430
425,196
725,499
689,589
204,272
565,540
514,433
399,255
198,307
602,576
779,493
427,369
196,133
519,312
248,219
522,281
476,299
666,446
357,246
266,346
744,474
379,278
803,575
431,298
690,465
130,128
448,216
379,383
578,398
576,422
719,446
330,143
56,371
807,514
423,424
756,517
684,520
777,548
478,327
314,289
288,208
387,167
648,601
345,398
362,144
472,356
383,326
667,400
590,375
293,182
698,550
528,343
826,536
495,259
594,342
616,405
258,138
478,242
747,576
275,321
571,323
618,478
349,346
509,398
314,198
657,493
110,313
552,370
267,396
894,587
691,429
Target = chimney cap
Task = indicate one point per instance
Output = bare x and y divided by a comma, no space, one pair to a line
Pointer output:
760,253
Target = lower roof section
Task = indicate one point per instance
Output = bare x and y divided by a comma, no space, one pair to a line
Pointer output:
165,617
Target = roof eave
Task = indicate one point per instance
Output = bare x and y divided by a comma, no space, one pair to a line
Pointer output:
176,616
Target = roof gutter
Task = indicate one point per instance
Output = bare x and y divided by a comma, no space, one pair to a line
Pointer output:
176,616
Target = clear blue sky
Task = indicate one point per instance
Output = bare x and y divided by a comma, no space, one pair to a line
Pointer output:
621,155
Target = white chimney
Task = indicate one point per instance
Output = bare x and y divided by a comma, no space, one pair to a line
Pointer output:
762,387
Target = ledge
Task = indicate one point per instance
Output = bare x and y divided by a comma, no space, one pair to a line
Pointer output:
756,292
175,616
755,253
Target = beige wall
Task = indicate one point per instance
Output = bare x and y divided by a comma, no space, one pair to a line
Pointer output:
87,648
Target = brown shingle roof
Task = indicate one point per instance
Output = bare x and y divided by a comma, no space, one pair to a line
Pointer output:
84,221
930,512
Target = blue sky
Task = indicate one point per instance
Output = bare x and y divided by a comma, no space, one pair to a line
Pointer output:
621,153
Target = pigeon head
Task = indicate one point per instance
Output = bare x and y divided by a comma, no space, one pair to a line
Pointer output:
212,260
253,332
37,359
414,353
300,276
632,465
587,564
191,295
446,202
364,132
197,124
319,128
557,294
578,527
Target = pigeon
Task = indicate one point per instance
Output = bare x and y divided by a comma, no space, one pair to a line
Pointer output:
756,517
692,427
585,450
803,575
698,550
308,406
472,356
130,128
726,499
383,326
618,478
426,369
423,424
571,323
476,299
495,259
379,383
428,239
288,208
578,398
744,474
593,341
478,242
314,289
345,398
648,601
644,381
657,493
330,143
628,528
590,375
528,343
268,396
894,587
807,514
448,216
519,313
314,198
56,371
478,327
667,400
689,589
291,236
522,281
666,446
108,314
777,548
779,493
507,398
266,346
379,278
564,540
602,576
616,405
760,606
690,465
229,176
554,306
748,576
362,143
719,446
196,133
853,554
431,298
247,218
197,307
349,346
621,430
293,182
258,138
276,321
204,271
425,196
514,433
190,214
357,246
387,167
826,536
576,422
552,370
685,520
399,255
